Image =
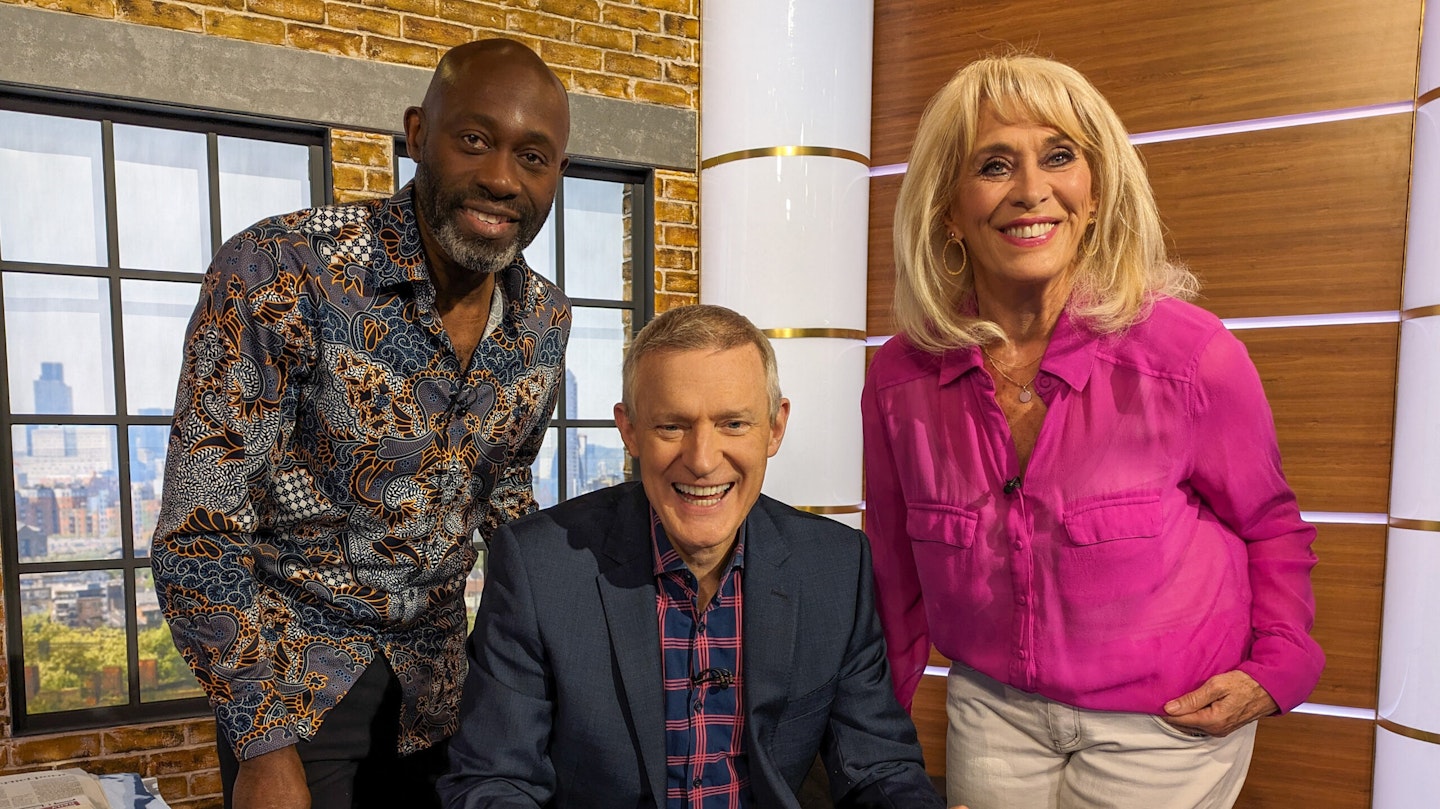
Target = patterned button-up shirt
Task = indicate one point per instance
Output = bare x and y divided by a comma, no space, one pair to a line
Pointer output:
330,463
705,765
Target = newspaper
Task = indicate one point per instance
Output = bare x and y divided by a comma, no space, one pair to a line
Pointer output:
52,789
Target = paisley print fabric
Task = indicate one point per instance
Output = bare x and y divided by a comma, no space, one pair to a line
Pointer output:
330,463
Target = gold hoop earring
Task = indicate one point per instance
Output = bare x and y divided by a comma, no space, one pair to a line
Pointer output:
964,257
1091,244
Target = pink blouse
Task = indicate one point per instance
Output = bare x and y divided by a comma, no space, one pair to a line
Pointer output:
1152,542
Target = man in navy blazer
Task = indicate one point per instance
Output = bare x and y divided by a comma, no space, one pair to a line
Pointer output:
684,641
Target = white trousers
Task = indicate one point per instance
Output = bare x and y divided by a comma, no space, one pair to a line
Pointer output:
1009,749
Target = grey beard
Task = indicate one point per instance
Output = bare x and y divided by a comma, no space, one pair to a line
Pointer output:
477,258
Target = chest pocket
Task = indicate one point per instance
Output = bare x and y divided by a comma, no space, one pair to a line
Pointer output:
1129,515
941,523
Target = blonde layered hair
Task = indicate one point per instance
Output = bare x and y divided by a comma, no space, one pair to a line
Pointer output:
1112,288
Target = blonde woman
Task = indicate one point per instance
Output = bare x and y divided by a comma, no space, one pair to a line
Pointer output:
1074,489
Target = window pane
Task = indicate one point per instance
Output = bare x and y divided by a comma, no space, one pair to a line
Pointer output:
595,458
67,494
545,472
163,672
597,239
155,314
540,254
592,362
404,169
74,640
162,198
54,211
57,341
147,479
260,179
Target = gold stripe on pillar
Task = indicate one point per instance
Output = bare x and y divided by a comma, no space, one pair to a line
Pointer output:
790,334
851,509
1414,525
785,151
1409,733
1427,98
1419,312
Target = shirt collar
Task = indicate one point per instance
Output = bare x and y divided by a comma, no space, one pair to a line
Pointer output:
1070,355
667,559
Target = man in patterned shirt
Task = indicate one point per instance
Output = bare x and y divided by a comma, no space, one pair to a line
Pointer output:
683,643
364,390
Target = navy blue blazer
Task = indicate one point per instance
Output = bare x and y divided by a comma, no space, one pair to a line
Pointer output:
563,703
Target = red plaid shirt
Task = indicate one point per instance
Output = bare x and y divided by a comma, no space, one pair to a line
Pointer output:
704,688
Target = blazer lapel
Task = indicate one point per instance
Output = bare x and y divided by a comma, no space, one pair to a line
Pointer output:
627,593
771,605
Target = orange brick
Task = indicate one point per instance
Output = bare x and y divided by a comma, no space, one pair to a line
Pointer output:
342,196
347,176
50,749
667,94
325,40
600,36
679,187
571,9
206,782
642,67
231,5
485,15
250,29
381,181
200,732
674,259
560,53
677,6
160,15
173,787
293,10
435,32
405,53
685,282
424,7
116,764
130,738
634,19
665,301
355,152
541,25
677,26
204,803
599,83
367,20
685,74
184,760
677,213
90,8
664,47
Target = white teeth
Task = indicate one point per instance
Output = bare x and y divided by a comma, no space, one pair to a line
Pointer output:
702,491
489,219
1030,231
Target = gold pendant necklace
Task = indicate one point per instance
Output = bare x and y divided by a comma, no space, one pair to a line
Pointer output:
1025,393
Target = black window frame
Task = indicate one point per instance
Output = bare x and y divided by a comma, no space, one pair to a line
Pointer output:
213,124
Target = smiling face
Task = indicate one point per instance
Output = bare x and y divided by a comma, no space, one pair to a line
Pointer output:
701,431
489,145
1021,204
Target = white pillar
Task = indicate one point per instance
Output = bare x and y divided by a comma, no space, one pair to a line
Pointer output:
1407,744
785,190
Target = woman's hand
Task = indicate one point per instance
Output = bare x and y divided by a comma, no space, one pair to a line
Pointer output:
1221,705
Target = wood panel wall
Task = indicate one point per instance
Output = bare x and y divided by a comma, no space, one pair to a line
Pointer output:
1301,220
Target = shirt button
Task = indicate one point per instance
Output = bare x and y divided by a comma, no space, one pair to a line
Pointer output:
700,627
696,783
1043,383
696,706
1020,600
1019,544
1022,654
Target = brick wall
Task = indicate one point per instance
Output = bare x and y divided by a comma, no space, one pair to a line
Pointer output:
639,50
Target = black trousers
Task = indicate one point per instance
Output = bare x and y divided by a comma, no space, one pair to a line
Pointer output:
351,762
